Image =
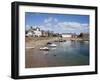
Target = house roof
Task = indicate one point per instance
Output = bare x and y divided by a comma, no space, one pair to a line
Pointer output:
30,30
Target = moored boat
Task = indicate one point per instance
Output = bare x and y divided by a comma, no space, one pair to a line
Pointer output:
53,45
60,41
49,43
44,48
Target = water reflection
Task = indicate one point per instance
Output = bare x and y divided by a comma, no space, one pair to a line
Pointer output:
68,53
45,52
72,47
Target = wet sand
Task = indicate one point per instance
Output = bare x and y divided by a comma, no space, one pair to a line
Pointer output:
36,58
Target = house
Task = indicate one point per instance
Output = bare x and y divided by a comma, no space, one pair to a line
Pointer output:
44,33
47,33
74,35
68,35
34,32
37,32
85,36
30,32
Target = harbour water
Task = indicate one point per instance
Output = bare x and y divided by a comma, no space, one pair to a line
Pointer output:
69,53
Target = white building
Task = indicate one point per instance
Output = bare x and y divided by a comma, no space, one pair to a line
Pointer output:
34,32
29,33
68,35
37,32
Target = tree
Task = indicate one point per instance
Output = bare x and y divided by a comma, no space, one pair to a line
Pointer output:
31,27
81,35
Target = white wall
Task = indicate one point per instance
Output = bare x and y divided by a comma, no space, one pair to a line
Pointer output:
5,40
38,33
66,35
29,34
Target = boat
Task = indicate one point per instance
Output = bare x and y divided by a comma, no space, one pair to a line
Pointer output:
49,43
60,41
53,45
44,48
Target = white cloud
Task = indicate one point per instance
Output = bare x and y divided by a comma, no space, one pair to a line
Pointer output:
72,25
53,24
48,20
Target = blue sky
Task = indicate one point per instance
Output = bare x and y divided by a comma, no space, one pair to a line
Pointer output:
59,23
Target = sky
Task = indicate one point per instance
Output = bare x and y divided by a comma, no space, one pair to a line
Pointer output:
58,23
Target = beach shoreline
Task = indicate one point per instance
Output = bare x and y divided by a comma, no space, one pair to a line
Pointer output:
42,41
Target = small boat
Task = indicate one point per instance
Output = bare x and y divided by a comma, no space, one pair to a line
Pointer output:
49,43
62,40
44,48
53,45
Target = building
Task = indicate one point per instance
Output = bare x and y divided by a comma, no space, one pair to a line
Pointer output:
37,32
85,36
44,33
30,32
34,32
68,35
74,35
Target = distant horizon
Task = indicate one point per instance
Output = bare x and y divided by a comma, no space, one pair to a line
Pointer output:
58,23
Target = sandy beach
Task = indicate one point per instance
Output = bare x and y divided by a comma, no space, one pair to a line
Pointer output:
38,42
42,41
